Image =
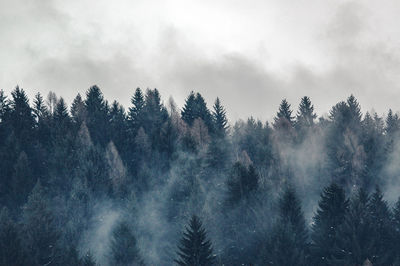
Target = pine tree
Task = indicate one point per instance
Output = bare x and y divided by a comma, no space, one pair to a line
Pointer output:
381,222
78,111
39,108
124,250
10,243
392,123
41,237
22,119
219,119
195,107
62,120
194,248
97,115
118,127
332,208
135,112
284,118
356,233
189,109
305,117
288,242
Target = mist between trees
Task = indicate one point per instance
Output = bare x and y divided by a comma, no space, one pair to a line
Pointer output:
95,184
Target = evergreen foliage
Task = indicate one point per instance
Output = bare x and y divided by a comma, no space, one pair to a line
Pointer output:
194,248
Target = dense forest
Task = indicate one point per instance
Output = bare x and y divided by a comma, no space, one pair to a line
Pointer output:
96,184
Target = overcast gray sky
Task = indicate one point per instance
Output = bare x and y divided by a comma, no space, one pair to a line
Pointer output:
250,53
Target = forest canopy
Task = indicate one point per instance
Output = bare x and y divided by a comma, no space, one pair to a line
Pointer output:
93,183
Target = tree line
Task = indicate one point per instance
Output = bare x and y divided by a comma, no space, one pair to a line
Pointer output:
302,190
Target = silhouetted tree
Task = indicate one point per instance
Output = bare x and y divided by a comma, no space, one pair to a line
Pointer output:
219,118
332,208
194,248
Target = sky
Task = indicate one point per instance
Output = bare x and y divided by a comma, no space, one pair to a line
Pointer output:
251,53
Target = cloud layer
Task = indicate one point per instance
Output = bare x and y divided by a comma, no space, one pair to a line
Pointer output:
251,55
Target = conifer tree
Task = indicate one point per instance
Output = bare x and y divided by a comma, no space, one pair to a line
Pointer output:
78,110
22,120
189,109
284,118
381,223
97,115
194,248
288,241
219,119
39,108
123,249
195,107
135,112
356,233
332,208
305,117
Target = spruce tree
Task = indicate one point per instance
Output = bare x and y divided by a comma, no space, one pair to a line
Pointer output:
194,248
284,118
219,119
135,112
330,214
305,115
356,235
287,244
123,249
381,223
78,111
22,119
97,115
189,109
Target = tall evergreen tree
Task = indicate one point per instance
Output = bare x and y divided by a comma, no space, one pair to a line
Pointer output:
78,111
194,248
288,242
195,107
97,115
22,120
284,118
356,233
330,214
135,114
124,250
305,117
381,223
219,119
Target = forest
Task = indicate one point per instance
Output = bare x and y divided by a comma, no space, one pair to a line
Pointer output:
92,183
